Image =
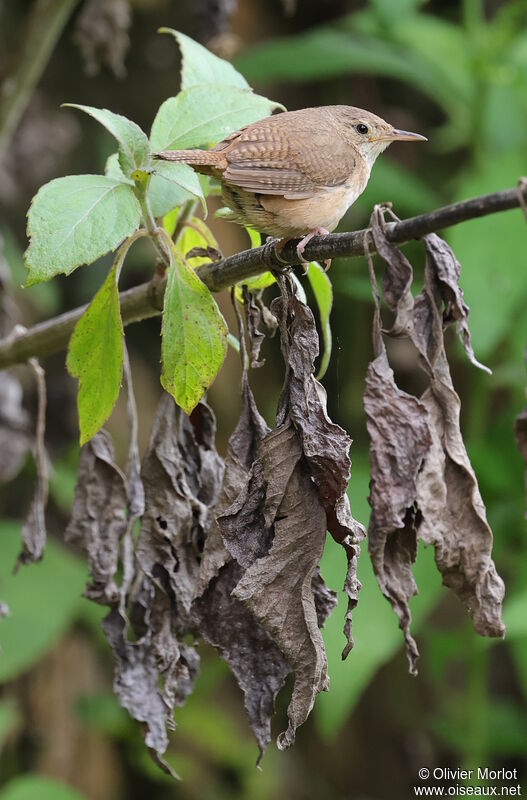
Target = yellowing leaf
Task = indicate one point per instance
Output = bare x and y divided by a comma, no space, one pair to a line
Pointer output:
194,335
323,291
95,357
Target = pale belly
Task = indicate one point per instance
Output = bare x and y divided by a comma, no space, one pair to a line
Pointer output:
275,215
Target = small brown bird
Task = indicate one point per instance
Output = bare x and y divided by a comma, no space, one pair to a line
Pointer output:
296,174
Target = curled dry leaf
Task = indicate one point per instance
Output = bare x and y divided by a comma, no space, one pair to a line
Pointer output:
325,445
255,660
15,441
33,531
422,482
99,516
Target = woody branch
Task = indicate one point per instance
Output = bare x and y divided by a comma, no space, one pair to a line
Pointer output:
146,300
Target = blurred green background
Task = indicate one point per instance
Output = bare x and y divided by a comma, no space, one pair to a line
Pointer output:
454,71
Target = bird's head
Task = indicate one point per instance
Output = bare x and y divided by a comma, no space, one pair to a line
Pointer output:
370,134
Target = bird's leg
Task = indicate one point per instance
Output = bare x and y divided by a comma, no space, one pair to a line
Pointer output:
276,246
302,245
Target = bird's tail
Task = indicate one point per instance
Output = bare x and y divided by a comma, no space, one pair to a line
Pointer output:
197,158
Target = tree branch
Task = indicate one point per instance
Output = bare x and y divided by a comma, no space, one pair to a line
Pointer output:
146,300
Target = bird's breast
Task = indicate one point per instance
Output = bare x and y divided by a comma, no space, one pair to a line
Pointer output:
324,210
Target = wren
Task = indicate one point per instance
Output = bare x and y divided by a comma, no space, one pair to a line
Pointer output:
295,174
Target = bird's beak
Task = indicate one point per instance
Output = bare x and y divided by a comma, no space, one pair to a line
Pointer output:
401,136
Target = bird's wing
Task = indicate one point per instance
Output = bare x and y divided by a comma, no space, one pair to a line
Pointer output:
289,160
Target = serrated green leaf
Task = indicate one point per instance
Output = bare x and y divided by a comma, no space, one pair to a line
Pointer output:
95,357
134,147
323,291
112,169
206,114
74,221
199,65
194,335
172,185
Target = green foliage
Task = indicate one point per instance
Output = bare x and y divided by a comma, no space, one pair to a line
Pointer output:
172,185
31,787
134,147
75,220
494,286
194,335
323,291
43,600
200,66
95,356
205,114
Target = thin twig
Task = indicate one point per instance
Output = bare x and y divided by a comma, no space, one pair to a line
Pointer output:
146,300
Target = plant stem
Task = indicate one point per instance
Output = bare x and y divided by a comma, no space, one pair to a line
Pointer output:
146,300
44,26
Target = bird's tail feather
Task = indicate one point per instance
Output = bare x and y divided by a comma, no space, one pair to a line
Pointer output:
203,158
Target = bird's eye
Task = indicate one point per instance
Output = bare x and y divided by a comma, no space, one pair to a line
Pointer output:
362,128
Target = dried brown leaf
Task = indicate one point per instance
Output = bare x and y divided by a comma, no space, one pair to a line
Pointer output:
99,516
33,531
277,588
447,270
15,442
422,482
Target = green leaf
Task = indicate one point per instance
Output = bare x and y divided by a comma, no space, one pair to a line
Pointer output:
113,170
172,185
95,356
491,252
43,600
31,787
74,221
194,334
134,147
199,65
206,114
323,291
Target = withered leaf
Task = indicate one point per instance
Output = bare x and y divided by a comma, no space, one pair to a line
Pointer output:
448,270
15,442
224,622
253,317
99,516
399,434
182,474
277,587
256,662
33,530
136,685
422,482
325,445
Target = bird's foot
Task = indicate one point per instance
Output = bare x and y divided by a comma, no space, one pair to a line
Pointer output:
303,242
275,247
